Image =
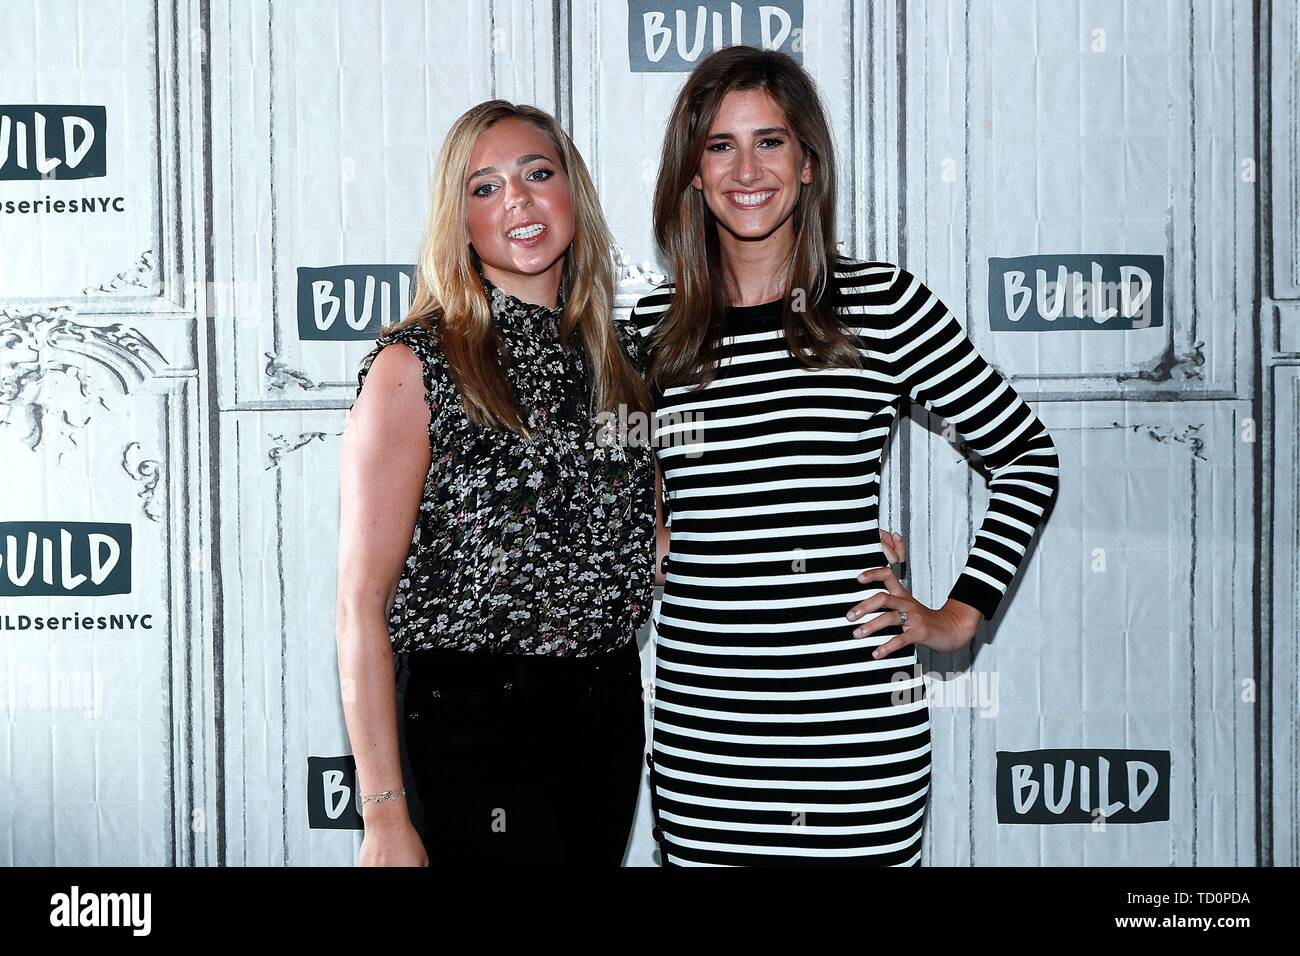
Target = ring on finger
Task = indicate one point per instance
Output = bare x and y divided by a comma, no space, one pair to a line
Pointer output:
902,618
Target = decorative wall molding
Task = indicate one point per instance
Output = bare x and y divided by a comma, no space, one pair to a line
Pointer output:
1182,366
147,472
282,445
55,369
140,275
282,376
1189,435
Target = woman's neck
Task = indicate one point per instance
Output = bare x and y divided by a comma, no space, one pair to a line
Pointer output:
755,270
542,288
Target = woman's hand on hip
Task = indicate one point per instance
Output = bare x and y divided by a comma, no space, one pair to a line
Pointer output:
945,630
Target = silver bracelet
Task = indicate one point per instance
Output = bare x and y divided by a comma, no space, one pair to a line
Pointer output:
381,797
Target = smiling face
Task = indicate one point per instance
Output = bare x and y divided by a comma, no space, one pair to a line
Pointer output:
752,167
519,209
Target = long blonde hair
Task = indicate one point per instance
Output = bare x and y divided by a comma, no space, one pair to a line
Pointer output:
449,292
686,343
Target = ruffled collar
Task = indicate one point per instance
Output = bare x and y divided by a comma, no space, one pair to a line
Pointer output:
512,312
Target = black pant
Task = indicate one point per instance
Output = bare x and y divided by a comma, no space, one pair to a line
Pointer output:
521,760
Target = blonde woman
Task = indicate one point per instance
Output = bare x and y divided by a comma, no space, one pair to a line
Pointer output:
497,553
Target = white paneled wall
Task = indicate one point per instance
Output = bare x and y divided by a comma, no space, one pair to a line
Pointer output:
154,376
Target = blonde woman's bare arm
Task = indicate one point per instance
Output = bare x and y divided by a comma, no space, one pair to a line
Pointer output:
385,461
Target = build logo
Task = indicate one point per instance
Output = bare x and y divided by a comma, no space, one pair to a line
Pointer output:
673,37
52,142
332,799
1082,786
1076,292
351,302
64,558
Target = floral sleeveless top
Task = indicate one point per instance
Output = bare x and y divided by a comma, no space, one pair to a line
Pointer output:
543,547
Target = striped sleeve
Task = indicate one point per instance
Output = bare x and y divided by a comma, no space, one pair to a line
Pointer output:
645,315
650,308
939,368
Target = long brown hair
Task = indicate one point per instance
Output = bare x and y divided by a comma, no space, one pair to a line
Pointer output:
687,339
448,289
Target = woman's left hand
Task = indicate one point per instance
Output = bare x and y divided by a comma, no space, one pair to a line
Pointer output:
894,545
945,630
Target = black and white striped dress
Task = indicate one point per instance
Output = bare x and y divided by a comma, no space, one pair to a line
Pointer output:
777,738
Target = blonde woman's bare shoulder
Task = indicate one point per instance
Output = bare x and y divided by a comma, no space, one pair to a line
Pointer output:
393,394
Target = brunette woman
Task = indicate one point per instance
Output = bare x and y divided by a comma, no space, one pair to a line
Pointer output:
790,724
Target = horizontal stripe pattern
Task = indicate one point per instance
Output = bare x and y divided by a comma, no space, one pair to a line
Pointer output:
777,738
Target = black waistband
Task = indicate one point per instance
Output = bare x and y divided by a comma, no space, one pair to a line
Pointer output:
521,667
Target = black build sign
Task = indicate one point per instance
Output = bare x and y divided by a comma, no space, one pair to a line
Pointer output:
52,142
1076,292
64,558
673,37
332,799
350,302
1081,786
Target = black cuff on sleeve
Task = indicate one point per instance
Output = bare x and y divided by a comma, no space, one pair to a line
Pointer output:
978,594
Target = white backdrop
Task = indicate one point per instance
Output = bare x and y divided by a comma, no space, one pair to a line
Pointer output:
161,378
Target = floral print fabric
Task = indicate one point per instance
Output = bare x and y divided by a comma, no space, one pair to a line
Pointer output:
543,547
